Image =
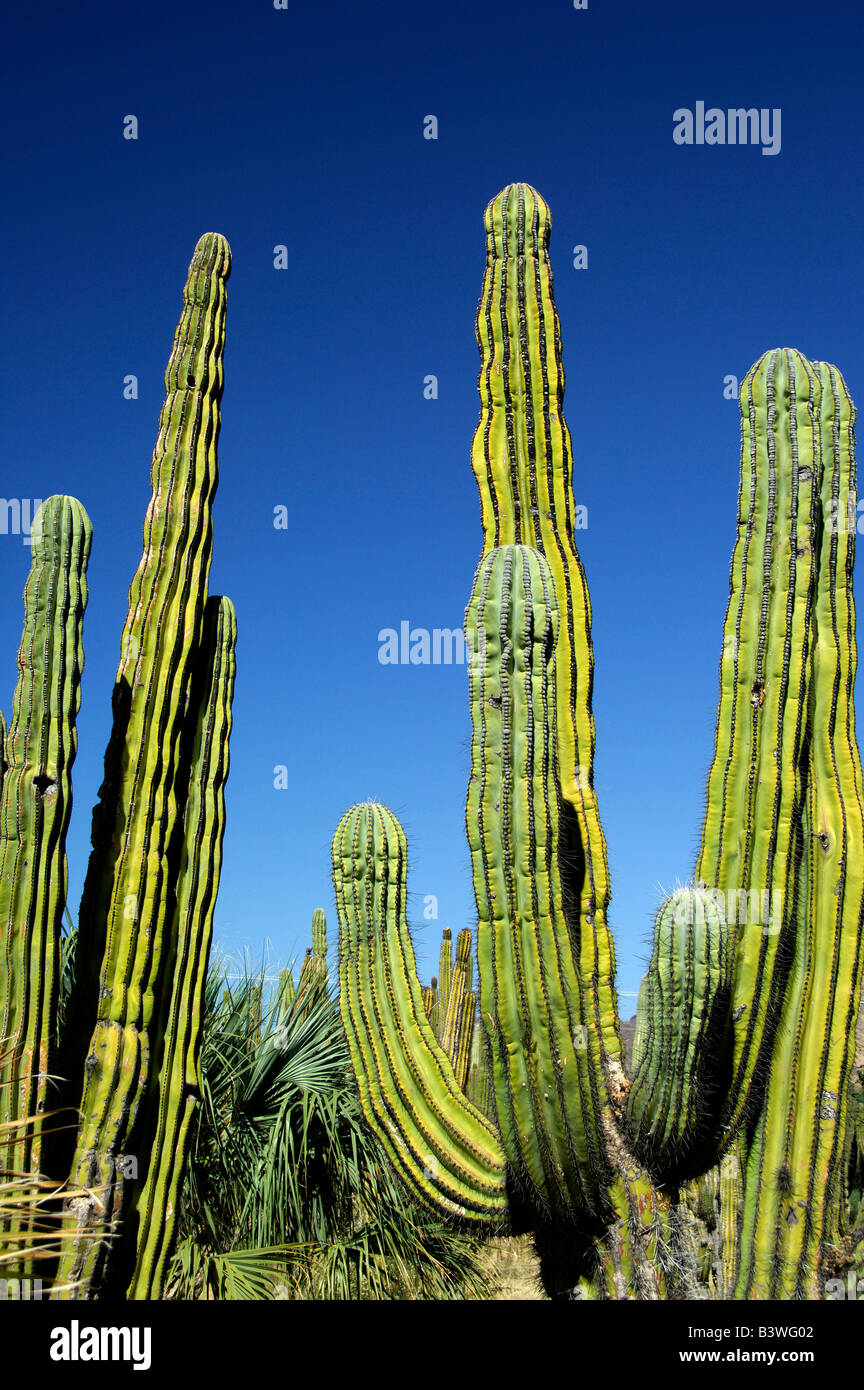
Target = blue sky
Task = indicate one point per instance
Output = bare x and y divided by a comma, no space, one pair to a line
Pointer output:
304,127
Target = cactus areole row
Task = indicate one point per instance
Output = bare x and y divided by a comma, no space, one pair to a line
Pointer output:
736,1110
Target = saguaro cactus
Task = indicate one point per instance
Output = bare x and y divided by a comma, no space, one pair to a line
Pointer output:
546,1091
682,1025
793,1175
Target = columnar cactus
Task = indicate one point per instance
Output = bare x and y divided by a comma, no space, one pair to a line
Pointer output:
546,1091
458,1026
126,1066
35,806
454,1026
127,904
447,1152
313,978
755,783
793,1174
746,1018
177,1086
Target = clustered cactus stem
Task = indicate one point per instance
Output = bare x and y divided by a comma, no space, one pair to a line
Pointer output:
122,1080
746,1016
124,936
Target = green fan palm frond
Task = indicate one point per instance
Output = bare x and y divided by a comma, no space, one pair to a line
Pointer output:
287,1193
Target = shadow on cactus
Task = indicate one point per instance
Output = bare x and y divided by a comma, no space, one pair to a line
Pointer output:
719,1170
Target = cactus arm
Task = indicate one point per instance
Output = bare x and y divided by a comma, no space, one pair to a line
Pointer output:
682,1014
530,998
445,1150
178,1085
312,981
34,815
523,462
137,823
755,784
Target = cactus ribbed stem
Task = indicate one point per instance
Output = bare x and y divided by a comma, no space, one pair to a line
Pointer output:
749,842
445,975
445,1150
35,806
795,1165
460,983
549,1112
178,1086
522,459
137,825
681,1030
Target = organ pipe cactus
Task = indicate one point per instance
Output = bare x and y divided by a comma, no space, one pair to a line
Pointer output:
745,1028
126,1066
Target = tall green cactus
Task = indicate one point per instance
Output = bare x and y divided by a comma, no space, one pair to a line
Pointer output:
793,1184
546,1091
146,914
124,940
176,1089
454,1027
745,1027
35,806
